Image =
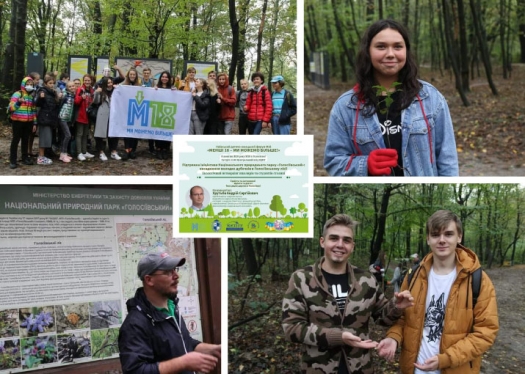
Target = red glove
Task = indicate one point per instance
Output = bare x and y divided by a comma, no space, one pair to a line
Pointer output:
381,160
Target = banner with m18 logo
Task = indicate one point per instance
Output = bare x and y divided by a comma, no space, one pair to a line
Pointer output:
147,113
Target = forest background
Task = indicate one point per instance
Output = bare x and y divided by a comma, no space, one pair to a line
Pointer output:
472,51
243,36
392,217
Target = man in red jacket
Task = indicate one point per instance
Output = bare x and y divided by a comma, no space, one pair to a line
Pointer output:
227,100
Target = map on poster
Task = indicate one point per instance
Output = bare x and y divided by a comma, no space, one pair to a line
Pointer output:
135,240
68,259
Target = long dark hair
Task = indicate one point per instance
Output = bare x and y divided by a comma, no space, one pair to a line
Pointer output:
204,84
105,92
159,82
410,86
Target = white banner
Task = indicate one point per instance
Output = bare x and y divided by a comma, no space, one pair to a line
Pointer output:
146,113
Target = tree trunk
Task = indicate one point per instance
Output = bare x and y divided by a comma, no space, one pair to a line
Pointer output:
249,256
40,28
14,58
521,28
502,22
482,40
370,11
273,31
516,235
243,21
381,222
260,36
339,27
406,12
463,47
452,52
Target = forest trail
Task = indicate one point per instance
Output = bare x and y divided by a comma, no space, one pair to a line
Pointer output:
259,345
489,133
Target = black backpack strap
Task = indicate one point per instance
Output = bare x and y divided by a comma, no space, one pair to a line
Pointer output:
476,286
410,274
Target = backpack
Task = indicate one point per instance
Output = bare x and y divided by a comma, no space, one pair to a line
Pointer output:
92,112
286,96
402,276
476,282
264,89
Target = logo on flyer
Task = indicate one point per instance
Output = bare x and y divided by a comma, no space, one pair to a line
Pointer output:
216,225
253,226
279,225
195,227
234,226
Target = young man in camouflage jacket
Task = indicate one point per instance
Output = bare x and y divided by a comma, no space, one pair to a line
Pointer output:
328,306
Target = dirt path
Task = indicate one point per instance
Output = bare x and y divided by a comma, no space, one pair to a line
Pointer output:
489,133
508,353
144,164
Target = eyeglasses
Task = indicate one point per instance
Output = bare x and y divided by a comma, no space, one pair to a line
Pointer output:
169,273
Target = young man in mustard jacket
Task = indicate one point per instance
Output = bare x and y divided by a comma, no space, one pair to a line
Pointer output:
445,332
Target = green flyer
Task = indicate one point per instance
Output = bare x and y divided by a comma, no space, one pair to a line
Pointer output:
257,186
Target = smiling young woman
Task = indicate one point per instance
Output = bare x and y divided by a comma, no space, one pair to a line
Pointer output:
390,123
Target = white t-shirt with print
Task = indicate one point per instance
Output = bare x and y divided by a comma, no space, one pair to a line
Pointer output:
437,296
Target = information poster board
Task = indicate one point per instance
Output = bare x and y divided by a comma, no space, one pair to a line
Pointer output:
202,68
68,260
101,63
79,66
254,186
157,66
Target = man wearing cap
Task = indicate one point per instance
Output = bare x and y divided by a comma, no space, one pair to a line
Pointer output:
284,107
154,338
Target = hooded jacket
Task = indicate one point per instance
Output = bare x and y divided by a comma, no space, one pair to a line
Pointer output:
229,98
466,334
312,317
259,104
25,112
148,337
48,113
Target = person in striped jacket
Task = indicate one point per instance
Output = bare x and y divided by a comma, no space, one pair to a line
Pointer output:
23,119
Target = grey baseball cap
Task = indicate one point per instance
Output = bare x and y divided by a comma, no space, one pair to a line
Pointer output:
158,261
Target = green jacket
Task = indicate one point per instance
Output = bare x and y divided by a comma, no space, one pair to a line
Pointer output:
311,317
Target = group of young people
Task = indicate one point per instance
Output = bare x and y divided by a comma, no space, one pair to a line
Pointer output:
215,103
63,114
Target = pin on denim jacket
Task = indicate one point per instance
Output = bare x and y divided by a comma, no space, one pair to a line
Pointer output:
424,153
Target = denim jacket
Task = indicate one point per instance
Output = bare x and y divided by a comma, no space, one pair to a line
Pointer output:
424,153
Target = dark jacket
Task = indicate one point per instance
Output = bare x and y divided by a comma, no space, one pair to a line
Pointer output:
289,108
212,123
202,105
148,337
48,113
